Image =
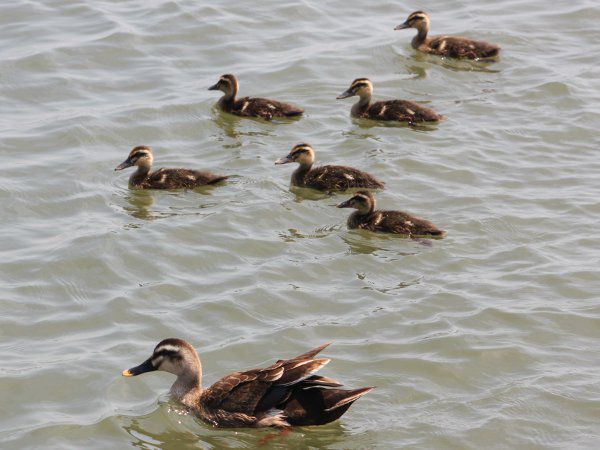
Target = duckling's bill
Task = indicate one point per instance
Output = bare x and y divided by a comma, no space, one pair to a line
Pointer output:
285,160
402,26
124,165
347,93
146,366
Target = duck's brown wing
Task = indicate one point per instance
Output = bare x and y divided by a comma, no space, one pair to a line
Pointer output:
180,179
400,222
460,47
340,178
242,392
402,111
265,108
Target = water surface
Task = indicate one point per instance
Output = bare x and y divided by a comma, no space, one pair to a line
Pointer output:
486,339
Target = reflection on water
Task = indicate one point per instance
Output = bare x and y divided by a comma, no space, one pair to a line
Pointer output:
140,203
478,348
366,242
160,430
301,193
143,204
292,235
458,65
369,123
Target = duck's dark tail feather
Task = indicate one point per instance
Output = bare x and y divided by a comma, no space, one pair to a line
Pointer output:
312,405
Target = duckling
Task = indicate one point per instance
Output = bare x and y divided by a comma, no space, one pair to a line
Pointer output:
451,46
284,394
250,106
141,156
325,178
398,222
398,110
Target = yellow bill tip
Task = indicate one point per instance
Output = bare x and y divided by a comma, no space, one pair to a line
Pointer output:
127,373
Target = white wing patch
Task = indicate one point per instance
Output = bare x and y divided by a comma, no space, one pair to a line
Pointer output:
442,46
383,110
271,106
348,176
245,106
378,218
410,111
409,223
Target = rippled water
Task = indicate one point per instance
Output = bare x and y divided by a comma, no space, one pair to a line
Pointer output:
488,338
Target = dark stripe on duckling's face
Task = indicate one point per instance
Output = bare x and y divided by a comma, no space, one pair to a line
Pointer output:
134,156
413,19
362,200
301,153
357,86
227,83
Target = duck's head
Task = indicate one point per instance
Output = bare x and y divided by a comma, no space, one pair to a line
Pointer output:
302,154
227,83
364,201
361,87
140,156
171,355
418,20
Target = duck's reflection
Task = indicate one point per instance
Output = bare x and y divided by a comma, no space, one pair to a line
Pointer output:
236,127
366,242
457,65
140,204
156,431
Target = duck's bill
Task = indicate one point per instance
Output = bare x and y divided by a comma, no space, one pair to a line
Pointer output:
345,204
144,367
284,160
214,87
124,165
402,26
345,94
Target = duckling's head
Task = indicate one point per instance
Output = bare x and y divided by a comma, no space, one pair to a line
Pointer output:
418,20
171,355
361,87
140,156
227,83
302,154
364,201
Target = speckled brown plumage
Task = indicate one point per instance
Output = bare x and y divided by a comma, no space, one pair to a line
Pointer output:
449,46
398,222
325,178
142,178
283,394
396,110
251,106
